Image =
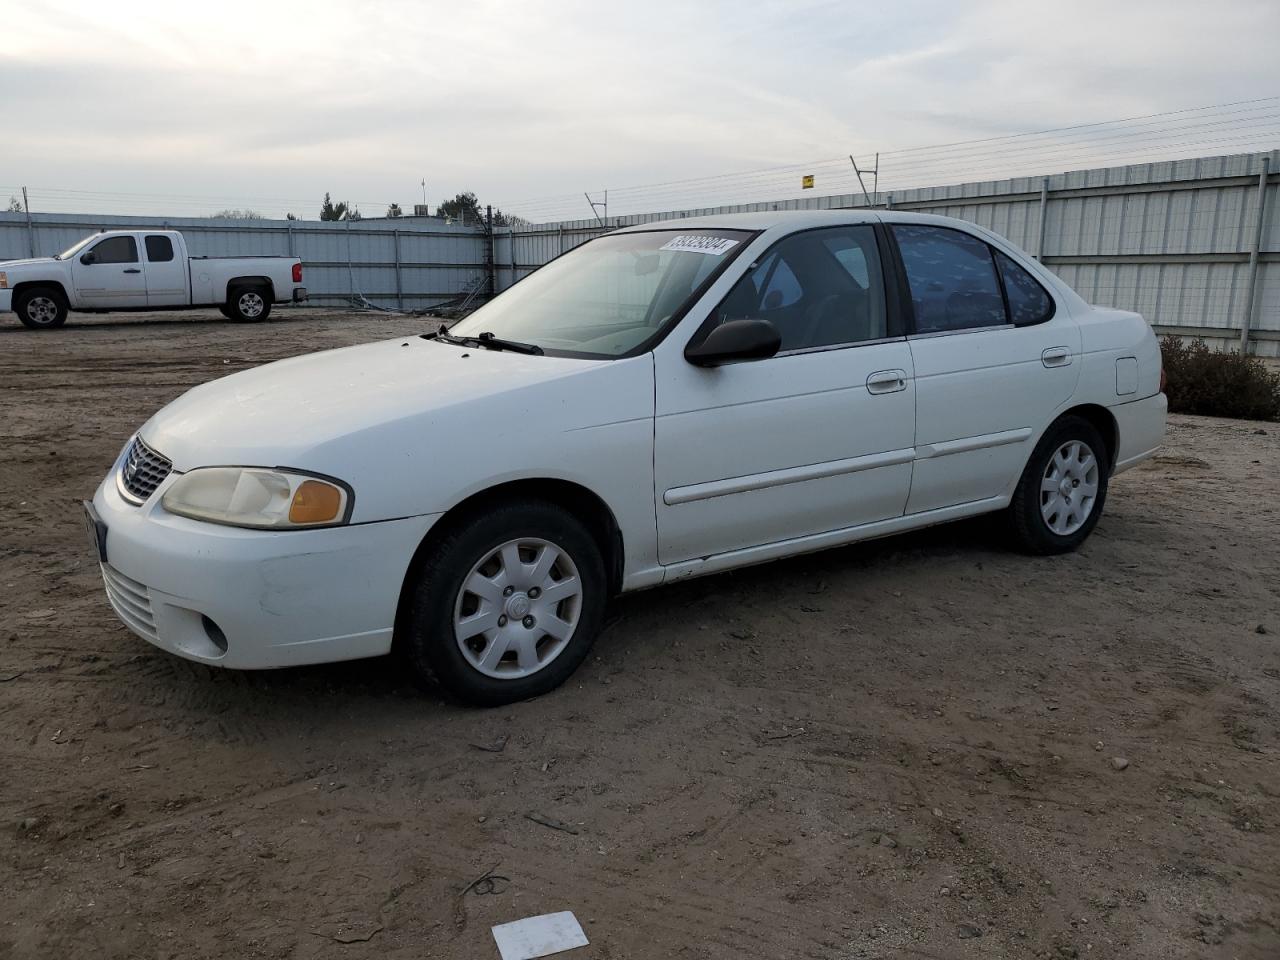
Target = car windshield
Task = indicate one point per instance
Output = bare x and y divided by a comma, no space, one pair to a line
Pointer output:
609,296
71,251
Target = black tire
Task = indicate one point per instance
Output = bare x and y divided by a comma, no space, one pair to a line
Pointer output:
225,310
429,643
41,308
249,303
1031,528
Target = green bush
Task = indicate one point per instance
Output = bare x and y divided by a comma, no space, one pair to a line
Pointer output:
1213,384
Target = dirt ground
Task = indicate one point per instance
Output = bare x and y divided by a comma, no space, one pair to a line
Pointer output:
900,749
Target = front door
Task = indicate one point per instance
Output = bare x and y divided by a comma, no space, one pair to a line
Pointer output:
994,360
113,277
166,273
816,438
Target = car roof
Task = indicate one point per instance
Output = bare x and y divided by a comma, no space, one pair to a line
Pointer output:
773,225
788,220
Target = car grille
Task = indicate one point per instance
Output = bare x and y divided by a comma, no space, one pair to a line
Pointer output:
131,602
142,471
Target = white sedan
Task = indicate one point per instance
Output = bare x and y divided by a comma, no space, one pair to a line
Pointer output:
669,400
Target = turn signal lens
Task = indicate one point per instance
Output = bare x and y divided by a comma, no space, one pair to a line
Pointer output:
316,502
4,280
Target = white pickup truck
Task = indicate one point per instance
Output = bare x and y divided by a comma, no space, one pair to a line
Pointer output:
144,270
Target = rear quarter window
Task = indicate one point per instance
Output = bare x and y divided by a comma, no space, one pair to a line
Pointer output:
1029,302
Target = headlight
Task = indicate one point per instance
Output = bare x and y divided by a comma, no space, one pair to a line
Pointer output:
258,497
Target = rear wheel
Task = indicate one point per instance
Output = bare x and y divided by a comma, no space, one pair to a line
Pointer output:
508,605
41,308
1063,488
249,303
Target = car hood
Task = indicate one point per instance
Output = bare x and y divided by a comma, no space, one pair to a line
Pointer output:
29,262
299,412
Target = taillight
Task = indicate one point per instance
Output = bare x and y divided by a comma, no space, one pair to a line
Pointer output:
297,273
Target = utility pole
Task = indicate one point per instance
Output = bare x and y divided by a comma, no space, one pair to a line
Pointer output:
876,171
424,191
31,233
602,204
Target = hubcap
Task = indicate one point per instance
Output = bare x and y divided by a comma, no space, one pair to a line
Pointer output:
250,304
1069,488
42,310
517,608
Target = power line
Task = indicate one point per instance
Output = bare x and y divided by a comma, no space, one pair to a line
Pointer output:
934,148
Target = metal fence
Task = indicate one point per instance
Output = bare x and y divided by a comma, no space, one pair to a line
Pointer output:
1193,245
404,264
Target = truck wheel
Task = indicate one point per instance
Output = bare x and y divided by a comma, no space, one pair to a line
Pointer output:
249,304
41,308
225,310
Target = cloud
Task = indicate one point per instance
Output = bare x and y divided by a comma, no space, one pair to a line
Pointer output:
283,101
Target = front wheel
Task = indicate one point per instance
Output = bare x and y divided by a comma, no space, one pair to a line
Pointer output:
41,308
507,605
1062,490
249,304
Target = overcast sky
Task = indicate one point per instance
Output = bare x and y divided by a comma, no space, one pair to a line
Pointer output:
269,104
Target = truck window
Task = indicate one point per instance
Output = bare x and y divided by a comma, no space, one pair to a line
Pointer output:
116,250
159,249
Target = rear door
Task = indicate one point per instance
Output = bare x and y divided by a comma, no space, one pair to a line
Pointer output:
995,358
166,272
113,277
814,439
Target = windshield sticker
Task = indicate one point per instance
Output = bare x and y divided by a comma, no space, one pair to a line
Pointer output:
715,246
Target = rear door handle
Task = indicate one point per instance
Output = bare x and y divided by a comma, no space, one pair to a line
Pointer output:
887,381
1056,357
133,270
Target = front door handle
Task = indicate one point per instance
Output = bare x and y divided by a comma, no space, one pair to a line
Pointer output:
887,381
1056,357
133,270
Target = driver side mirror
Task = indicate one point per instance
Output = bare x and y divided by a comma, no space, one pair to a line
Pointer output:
735,341
88,259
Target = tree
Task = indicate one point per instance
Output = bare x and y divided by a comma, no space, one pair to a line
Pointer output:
290,216
394,211
238,214
466,208
338,211
15,205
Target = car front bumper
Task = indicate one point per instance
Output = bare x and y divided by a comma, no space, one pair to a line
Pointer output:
253,599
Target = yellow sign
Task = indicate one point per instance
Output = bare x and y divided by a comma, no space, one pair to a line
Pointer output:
806,182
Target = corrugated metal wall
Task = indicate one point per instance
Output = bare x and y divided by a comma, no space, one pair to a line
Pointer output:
341,260
1171,240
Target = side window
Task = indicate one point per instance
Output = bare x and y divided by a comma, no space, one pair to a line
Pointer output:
116,250
1029,302
952,278
159,249
820,288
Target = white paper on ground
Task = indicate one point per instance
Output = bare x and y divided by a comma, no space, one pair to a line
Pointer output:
539,936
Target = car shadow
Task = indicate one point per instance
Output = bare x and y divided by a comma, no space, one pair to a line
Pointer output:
382,680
